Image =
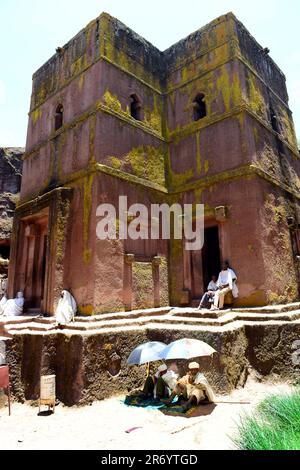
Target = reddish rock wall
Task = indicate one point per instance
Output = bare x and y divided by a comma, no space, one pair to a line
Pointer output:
81,363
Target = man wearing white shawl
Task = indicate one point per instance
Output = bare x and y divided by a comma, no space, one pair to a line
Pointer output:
12,307
162,384
193,387
66,309
226,283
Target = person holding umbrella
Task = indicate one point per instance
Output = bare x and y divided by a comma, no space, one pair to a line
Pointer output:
193,387
161,384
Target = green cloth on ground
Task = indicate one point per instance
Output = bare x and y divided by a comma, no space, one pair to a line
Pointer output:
178,410
151,403
136,400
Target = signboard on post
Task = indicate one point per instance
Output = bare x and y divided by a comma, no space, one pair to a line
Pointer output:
47,394
2,353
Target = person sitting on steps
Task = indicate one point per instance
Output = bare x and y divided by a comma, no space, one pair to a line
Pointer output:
208,297
226,283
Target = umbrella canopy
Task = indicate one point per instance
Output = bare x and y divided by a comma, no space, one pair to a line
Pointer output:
186,348
146,352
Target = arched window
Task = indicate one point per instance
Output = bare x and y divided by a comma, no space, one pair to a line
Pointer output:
273,120
199,107
59,117
135,107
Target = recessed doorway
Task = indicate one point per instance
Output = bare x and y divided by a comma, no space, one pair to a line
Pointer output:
211,258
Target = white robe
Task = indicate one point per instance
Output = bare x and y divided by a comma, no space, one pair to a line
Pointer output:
198,388
212,286
228,277
12,307
2,303
200,379
170,378
66,309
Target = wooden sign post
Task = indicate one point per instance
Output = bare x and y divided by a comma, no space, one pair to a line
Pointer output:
47,395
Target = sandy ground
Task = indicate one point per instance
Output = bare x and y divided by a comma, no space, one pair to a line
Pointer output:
103,425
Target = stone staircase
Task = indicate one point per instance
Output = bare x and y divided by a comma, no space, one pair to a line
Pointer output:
165,318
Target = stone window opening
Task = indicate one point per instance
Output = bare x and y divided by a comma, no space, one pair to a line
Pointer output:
59,117
199,107
274,120
135,107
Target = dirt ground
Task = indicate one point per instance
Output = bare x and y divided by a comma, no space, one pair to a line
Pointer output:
103,425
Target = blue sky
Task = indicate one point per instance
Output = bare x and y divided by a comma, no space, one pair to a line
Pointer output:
32,29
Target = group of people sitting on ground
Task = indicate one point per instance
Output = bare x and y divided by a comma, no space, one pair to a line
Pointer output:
191,389
218,288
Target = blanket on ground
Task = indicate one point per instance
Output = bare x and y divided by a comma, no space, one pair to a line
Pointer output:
176,409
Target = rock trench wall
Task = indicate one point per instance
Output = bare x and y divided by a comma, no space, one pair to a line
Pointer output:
82,363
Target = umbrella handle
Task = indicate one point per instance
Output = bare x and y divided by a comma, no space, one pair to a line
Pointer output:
148,369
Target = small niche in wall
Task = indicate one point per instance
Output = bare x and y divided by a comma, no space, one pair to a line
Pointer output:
135,107
114,364
199,107
59,117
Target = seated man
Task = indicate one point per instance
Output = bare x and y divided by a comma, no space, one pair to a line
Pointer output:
193,387
207,298
162,384
226,283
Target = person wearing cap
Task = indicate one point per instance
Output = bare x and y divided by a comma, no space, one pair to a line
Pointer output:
162,384
193,387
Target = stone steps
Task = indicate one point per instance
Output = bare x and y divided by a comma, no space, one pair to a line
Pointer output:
12,325
125,315
163,319
269,308
39,323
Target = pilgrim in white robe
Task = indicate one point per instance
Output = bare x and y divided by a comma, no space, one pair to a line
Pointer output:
66,309
226,276
12,307
199,388
2,303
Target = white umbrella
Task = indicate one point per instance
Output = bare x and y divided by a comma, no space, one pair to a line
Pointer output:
146,352
186,348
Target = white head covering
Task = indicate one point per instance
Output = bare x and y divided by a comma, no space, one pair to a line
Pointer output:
19,299
162,368
12,307
66,308
194,365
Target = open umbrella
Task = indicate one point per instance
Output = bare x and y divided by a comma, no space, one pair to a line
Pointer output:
186,348
146,352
